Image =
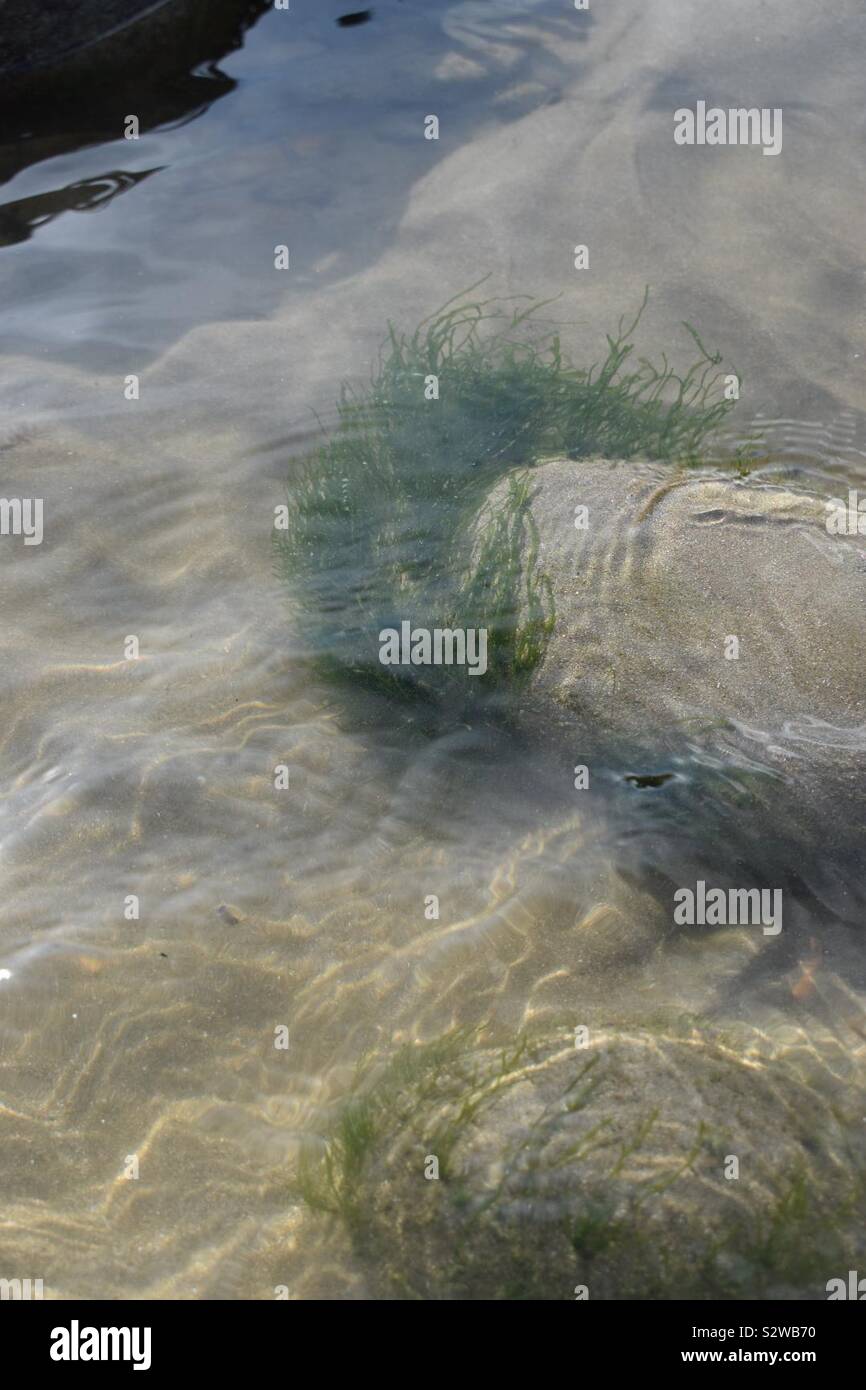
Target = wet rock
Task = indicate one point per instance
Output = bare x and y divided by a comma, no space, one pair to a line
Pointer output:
668,569
711,627
35,35
659,1162
110,38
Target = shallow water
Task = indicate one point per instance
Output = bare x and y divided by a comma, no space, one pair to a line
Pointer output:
154,777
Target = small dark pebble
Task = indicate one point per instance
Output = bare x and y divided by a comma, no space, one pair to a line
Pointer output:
346,21
649,780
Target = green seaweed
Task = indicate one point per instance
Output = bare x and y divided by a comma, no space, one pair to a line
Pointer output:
573,1198
384,515
437,1084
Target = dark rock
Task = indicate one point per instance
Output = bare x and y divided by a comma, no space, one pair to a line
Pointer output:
36,35
70,74
81,38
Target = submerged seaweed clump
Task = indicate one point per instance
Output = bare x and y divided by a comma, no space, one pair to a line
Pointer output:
382,515
602,1172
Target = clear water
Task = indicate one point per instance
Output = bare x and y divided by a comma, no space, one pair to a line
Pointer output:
155,777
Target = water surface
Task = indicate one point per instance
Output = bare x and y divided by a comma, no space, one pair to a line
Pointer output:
154,777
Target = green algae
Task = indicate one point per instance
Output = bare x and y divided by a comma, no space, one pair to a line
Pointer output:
557,1172
383,515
